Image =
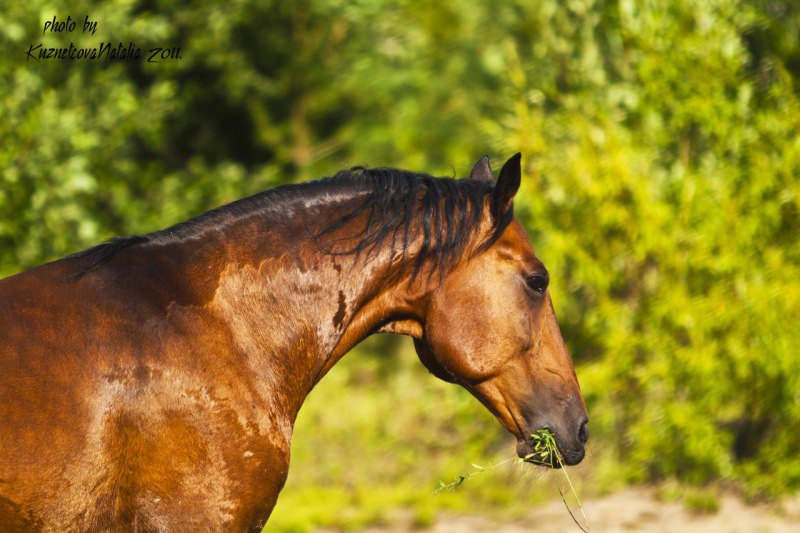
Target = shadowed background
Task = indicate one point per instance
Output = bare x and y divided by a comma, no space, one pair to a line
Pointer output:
661,153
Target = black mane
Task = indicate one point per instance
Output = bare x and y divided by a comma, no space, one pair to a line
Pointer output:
400,206
404,205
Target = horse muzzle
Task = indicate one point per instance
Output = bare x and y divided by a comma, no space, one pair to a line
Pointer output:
570,450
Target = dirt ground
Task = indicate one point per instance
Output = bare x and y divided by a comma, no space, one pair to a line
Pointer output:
633,510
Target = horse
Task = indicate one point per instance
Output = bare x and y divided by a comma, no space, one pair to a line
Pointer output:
151,383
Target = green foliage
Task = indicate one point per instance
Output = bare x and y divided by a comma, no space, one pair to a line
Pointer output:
661,143
701,501
668,202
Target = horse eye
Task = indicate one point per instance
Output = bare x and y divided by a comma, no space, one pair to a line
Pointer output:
539,282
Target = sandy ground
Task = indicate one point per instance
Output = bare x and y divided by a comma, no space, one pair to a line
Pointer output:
632,510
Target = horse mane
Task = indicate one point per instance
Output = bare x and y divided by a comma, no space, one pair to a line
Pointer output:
103,252
404,205
399,205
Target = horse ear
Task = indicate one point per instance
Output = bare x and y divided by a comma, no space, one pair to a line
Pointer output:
482,171
507,186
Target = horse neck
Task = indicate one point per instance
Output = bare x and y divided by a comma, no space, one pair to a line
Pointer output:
294,310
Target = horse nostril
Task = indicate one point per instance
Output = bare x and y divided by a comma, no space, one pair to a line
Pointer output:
583,432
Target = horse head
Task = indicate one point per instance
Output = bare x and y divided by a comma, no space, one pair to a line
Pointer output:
490,326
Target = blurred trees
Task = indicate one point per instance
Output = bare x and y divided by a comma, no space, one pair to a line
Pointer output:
661,143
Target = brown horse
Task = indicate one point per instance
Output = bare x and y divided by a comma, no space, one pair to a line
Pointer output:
152,382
